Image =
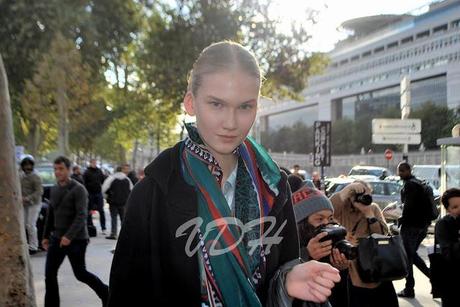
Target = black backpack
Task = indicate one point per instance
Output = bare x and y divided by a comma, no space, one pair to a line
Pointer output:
432,211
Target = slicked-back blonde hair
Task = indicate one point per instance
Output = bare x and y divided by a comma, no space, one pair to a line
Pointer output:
223,56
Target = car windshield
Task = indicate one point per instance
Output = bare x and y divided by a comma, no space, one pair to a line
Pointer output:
46,174
365,171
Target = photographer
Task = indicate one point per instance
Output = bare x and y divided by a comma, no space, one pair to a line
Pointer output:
354,209
314,212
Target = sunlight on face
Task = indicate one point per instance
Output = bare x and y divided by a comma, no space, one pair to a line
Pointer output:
225,107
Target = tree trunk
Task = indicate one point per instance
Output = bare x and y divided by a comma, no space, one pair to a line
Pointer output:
134,157
33,139
63,126
16,282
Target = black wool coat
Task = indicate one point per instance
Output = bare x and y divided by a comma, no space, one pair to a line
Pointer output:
150,266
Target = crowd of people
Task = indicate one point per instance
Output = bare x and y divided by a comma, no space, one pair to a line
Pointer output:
215,222
69,222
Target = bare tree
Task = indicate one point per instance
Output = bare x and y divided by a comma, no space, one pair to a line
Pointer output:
16,282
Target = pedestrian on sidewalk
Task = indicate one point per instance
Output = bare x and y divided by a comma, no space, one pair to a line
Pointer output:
447,233
32,190
414,225
93,178
116,189
76,174
313,211
66,234
180,244
355,210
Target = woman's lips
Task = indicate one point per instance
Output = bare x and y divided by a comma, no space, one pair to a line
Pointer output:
227,138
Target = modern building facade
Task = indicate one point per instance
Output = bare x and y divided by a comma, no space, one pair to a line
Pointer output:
364,75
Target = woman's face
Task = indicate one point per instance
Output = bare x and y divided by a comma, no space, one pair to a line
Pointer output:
225,107
454,206
321,217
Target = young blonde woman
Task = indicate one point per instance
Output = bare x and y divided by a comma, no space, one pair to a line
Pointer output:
212,223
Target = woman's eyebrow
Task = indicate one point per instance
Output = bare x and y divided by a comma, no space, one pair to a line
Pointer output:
214,98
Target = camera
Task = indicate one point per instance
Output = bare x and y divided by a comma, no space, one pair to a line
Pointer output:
336,233
364,199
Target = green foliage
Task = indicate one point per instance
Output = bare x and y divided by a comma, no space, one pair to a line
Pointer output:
148,47
295,139
176,35
437,122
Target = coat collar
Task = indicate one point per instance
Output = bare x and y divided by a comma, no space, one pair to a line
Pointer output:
165,171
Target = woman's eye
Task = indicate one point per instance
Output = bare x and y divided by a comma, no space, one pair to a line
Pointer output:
246,106
216,104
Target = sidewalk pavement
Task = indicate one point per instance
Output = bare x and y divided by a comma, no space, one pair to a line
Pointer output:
99,259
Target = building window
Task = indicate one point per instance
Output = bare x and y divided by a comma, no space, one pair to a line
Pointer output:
354,58
423,34
366,54
407,40
455,23
392,45
379,49
441,28
344,62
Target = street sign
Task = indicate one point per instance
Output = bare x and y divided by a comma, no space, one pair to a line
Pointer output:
322,143
396,139
388,154
392,125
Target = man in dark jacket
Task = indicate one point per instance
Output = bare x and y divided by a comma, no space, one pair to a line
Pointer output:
94,178
116,189
76,174
66,234
414,225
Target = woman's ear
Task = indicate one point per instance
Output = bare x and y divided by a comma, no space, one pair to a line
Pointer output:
189,104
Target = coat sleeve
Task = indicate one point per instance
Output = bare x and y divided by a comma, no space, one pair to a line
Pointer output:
288,256
135,277
450,247
81,211
35,197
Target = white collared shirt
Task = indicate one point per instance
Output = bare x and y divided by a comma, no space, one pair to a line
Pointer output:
228,188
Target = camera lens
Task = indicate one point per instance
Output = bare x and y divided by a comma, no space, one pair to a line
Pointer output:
347,249
364,199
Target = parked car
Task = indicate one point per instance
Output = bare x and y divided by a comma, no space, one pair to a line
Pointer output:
383,192
378,172
436,193
334,185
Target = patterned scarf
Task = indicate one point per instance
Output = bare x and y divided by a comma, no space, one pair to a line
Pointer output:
230,278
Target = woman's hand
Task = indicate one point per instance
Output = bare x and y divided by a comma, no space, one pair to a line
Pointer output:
351,190
338,260
311,281
317,249
367,211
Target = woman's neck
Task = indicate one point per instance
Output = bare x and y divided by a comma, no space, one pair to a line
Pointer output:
227,163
